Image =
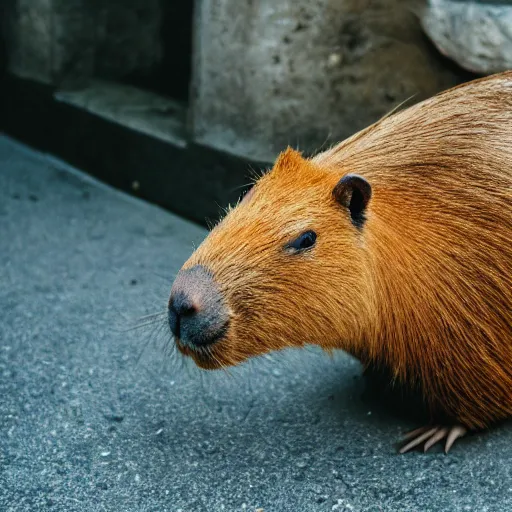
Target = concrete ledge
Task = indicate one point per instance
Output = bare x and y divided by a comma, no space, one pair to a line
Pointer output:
118,146
144,111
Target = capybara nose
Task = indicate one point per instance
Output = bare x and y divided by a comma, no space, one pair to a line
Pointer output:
180,308
197,314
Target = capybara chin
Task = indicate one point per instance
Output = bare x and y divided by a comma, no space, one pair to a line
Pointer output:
395,245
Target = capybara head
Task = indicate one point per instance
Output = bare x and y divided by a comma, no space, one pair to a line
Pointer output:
286,267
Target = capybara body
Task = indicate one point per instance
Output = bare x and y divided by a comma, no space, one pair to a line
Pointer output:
395,245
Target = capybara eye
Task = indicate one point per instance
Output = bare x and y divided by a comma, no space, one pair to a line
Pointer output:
305,241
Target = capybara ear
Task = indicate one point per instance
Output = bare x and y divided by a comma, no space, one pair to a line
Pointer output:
289,160
353,192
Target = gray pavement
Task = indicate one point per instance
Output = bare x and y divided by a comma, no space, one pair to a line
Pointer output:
87,423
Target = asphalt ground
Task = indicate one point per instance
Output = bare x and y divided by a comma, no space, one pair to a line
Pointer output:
96,419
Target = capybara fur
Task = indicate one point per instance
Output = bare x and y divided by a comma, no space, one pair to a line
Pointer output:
395,246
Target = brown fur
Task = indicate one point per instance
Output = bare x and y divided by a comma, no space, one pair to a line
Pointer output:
424,288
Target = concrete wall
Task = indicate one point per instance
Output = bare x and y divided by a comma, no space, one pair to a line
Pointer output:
67,42
269,73
29,57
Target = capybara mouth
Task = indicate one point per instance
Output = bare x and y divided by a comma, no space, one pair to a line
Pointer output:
204,356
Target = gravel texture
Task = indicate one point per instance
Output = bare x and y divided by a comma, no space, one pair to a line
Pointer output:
94,419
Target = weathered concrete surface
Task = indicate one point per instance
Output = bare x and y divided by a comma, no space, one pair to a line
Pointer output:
67,42
28,38
50,41
86,426
268,74
477,36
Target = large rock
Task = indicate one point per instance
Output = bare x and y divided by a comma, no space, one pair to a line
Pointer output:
308,73
477,36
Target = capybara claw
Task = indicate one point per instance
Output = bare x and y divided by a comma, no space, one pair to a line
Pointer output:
431,435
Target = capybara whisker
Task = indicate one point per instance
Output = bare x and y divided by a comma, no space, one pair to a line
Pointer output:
152,315
157,330
156,321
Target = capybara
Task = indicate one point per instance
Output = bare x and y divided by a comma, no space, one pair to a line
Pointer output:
395,245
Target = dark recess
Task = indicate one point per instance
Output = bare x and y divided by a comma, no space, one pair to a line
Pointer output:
449,64
172,75
3,45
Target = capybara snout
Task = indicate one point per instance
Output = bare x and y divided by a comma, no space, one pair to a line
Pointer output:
196,311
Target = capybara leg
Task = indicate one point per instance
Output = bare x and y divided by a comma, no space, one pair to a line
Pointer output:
431,435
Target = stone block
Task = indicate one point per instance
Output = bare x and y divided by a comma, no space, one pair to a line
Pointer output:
478,36
67,42
28,38
50,41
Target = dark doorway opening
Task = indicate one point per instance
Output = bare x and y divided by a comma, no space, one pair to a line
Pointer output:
171,76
